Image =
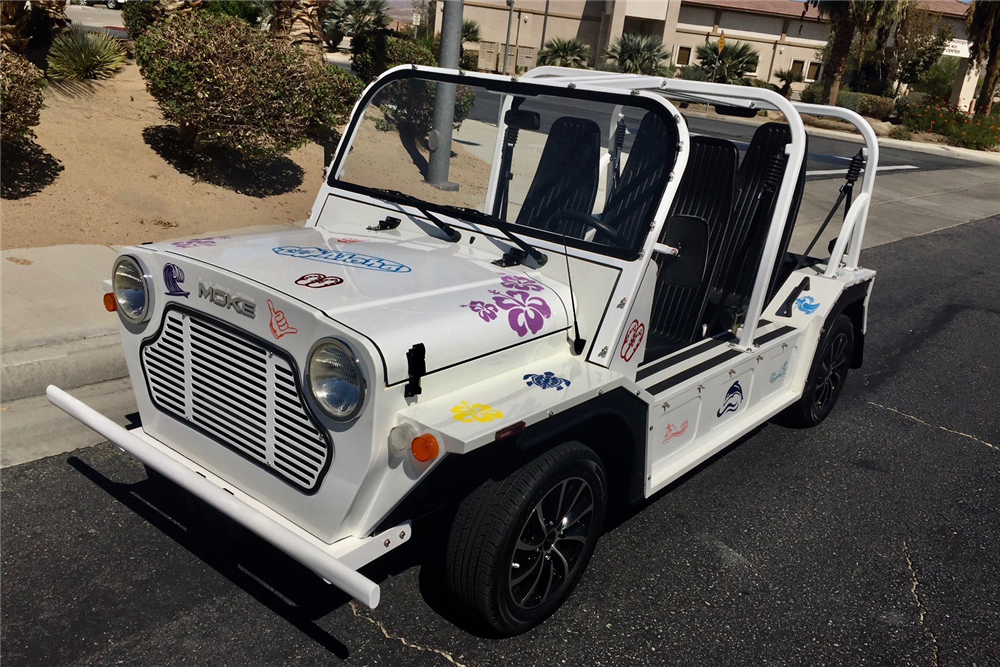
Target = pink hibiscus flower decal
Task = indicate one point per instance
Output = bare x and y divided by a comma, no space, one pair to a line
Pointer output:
524,312
520,283
487,311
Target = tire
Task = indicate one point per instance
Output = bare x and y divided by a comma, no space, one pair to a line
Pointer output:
827,376
111,4
500,565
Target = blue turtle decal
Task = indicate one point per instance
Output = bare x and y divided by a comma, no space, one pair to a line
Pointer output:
547,380
780,373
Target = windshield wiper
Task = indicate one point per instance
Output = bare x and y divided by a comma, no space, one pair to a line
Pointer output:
509,258
453,234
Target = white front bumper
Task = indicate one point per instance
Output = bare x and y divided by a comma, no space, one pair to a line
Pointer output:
335,563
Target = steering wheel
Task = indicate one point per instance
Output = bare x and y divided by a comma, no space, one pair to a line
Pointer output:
589,221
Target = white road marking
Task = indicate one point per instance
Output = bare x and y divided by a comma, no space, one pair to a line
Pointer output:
827,172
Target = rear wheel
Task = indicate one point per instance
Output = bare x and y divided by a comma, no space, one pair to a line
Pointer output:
520,544
826,377
111,4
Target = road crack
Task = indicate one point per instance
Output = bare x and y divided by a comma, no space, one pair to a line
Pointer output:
403,640
925,423
914,583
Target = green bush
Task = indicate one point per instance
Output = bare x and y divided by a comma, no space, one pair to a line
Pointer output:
760,83
21,85
79,54
251,12
138,15
876,106
979,131
813,93
261,108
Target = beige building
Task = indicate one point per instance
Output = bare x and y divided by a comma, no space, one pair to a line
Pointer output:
783,36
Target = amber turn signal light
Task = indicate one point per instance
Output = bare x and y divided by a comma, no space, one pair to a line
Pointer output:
425,448
110,303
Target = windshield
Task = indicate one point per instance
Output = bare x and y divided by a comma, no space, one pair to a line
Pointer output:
585,170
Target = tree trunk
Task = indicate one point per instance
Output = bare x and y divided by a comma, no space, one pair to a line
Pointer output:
301,24
840,49
14,18
991,77
56,14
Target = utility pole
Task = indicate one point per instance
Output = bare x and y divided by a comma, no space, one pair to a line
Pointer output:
545,23
439,140
506,46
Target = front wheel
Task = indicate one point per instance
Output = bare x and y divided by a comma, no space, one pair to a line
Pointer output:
111,4
519,545
826,376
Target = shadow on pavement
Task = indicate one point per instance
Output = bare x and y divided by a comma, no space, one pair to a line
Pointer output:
275,580
224,167
26,169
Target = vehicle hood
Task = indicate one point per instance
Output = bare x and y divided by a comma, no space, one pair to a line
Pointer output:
397,289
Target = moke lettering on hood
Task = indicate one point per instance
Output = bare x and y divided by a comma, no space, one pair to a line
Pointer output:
224,299
354,259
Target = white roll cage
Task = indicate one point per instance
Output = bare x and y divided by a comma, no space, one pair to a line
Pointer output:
847,250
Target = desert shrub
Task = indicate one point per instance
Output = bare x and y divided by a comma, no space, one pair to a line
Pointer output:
332,92
900,132
903,103
262,108
760,83
813,93
78,54
876,106
408,104
21,86
962,129
251,12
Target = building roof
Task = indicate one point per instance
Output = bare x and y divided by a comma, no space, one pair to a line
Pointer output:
793,8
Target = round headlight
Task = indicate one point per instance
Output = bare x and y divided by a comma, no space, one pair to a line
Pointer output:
336,380
130,290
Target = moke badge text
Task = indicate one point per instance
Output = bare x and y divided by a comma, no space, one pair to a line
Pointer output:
224,299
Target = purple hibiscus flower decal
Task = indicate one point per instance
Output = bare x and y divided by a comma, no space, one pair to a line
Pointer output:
487,311
520,283
524,312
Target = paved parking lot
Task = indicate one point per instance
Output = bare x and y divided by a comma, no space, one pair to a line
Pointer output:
871,539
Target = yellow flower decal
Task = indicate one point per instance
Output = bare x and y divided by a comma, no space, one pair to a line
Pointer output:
477,412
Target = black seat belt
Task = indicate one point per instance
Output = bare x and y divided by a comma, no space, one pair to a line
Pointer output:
846,192
616,158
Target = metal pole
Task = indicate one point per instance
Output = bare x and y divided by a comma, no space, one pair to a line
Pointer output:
439,140
506,46
545,22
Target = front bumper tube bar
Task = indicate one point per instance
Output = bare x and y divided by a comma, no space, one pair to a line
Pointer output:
323,564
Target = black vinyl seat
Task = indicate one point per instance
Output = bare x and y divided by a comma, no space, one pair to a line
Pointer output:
566,177
742,245
631,206
696,224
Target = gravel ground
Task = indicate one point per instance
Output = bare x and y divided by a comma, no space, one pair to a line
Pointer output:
871,539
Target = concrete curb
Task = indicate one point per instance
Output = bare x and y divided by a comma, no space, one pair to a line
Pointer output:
71,364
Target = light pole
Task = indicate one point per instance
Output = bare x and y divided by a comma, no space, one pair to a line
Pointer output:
439,140
506,46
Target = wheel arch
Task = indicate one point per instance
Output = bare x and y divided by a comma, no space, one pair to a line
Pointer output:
853,303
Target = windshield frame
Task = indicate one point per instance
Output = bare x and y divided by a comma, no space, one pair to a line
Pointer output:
511,86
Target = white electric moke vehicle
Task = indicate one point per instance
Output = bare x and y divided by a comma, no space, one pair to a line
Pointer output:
599,301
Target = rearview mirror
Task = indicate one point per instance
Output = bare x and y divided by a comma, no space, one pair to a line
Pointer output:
739,112
522,120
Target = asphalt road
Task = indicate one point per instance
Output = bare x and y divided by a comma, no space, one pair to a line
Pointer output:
871,539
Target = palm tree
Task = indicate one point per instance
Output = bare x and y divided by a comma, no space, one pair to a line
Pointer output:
470,31
640,54
862,17
564,53
787,78
983,28
55,13
730,65
351,17
300,23
14,26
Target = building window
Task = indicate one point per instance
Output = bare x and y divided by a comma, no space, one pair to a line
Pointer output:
683,56
798,66
813,72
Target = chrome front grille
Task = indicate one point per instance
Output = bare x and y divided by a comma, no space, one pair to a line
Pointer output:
240,394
